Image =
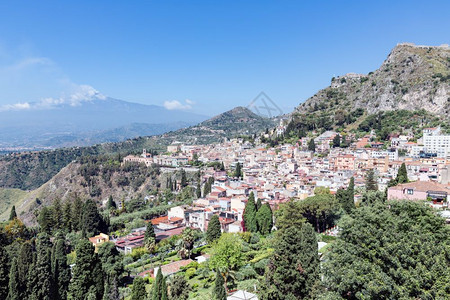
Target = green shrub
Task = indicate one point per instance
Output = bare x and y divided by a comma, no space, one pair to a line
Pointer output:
190,273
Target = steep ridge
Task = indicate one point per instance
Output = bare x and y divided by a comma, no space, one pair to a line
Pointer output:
411,78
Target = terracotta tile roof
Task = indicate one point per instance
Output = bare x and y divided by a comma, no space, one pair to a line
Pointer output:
156,221
423,186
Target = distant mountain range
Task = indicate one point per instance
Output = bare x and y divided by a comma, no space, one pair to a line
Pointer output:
87,123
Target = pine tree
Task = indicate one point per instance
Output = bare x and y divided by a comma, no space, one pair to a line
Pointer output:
264,218
219,287
13,213
214,229
60,269
14,292
371,182
138,291
87,273
312,145
402,175
45,283
249,216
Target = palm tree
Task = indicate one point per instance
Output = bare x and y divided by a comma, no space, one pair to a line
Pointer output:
188,236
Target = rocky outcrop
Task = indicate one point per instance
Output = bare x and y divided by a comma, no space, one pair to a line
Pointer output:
412,78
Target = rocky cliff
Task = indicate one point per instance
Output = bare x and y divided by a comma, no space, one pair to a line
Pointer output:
412,78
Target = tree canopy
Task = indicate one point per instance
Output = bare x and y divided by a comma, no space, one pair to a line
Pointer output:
394,250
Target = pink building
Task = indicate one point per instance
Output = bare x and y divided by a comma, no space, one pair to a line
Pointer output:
420,190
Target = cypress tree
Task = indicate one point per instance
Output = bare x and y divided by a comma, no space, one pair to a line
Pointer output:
24,263
238,170
337,141
164,294
57,214
60,269
293,270
183,178
258,204
402,175
32,279
67,216
92,221
45,220
111,291
311,145
111,204
371,182
219,288
87,273
309,260
198,191
45,283
350,203
138,291
249,216
213,232
159,287
77,211
4,269
205,189
150,237
14,292
264,218
12,214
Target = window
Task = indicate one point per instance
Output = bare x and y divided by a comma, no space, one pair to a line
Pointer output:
410,191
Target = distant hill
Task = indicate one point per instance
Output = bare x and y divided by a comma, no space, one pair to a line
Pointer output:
30,170
87,123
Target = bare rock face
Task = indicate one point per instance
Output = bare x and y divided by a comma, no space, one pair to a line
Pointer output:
412,78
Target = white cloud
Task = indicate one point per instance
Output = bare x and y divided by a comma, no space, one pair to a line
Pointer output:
177,105
81,93
17,106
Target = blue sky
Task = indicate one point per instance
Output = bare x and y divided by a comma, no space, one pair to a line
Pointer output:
215,54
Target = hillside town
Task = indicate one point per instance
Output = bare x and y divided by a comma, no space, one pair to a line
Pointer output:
277,175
